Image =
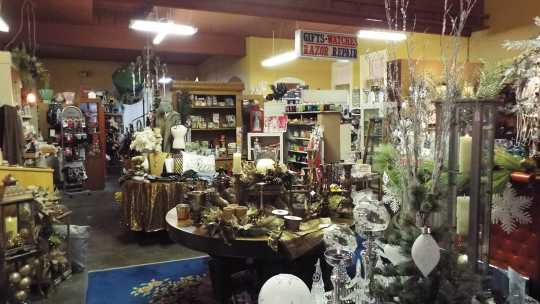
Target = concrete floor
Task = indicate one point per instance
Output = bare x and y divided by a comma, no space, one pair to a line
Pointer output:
109,246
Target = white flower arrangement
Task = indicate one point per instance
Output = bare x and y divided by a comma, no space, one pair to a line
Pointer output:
146,141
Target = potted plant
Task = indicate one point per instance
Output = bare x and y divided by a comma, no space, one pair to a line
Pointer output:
45,92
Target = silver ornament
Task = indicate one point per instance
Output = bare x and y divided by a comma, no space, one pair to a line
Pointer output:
25,283
425,252
25,270
15,277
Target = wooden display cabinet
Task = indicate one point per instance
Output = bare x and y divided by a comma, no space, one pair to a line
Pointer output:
93,110
211,101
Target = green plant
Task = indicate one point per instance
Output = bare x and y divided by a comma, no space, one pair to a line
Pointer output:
491,80
30,68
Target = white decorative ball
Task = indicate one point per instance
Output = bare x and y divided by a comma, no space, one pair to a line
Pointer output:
284,288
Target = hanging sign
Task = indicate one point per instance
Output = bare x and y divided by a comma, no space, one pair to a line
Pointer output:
314,44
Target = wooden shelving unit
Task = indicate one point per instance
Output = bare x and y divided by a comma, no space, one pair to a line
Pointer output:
221,91
329,120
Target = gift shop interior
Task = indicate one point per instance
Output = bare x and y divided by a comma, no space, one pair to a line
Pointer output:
306,152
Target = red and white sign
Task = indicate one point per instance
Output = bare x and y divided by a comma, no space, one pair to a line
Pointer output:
315,44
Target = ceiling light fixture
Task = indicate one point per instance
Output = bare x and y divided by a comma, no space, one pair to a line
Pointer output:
162,29
4,27
165,80
382,35
279,59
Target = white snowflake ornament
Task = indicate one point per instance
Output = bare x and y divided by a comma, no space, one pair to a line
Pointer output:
510,210
390,197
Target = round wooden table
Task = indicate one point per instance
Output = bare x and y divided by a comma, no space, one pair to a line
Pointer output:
241,254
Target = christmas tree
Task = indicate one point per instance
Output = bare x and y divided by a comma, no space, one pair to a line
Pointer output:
416,179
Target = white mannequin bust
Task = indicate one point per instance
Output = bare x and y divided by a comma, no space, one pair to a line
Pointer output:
179,134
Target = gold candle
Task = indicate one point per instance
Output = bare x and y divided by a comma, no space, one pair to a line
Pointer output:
462,215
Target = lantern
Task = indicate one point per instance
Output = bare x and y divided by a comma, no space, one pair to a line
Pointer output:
17,221
470,154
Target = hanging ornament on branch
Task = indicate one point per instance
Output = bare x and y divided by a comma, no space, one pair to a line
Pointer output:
425,252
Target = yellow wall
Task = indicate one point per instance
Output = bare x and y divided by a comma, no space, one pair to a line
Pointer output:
315,73
257,79
223,69
66,73
506,22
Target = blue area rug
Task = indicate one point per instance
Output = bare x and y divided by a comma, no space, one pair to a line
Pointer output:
148,283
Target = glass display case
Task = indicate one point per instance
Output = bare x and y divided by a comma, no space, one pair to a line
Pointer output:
470,161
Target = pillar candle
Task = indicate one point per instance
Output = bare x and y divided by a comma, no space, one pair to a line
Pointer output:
10,225
237,163
462,215
465,145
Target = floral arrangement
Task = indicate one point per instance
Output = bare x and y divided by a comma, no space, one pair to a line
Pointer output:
30,68
146,141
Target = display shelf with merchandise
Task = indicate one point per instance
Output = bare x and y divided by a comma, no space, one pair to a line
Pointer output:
214,107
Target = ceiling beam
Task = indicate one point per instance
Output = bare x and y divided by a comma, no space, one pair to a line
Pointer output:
120,37
65,11
362,13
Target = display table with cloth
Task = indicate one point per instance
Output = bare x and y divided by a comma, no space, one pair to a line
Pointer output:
145,204
296,256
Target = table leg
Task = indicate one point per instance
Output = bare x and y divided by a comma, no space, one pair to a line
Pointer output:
221,269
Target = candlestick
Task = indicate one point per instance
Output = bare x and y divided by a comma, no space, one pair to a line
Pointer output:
261,196
237,163
462,215
465,146
11,225
237,193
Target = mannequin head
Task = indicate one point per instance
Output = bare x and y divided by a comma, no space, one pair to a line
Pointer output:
165,107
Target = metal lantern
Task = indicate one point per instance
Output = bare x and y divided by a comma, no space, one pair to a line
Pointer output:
17,222
17,226
470,154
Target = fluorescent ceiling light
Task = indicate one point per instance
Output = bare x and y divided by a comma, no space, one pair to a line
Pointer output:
162,28
159,37
381,35
279,59
3,25
165,80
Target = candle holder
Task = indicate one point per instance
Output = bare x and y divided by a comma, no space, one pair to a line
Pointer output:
261,196
339,259
237,193
347,203
470,153
196,199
